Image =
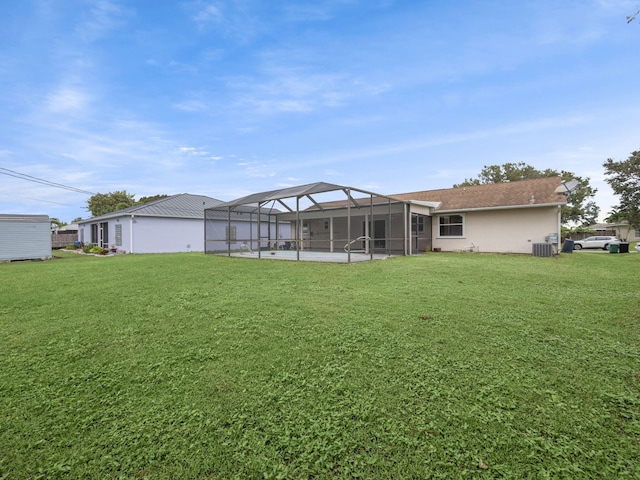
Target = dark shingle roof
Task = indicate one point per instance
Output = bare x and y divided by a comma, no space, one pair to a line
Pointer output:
540,191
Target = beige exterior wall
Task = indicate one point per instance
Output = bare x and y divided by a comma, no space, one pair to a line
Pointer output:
629,234
502,231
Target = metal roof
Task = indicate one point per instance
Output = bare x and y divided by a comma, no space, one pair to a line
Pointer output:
182,205
10,217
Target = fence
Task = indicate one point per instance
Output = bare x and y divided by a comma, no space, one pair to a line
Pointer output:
61,240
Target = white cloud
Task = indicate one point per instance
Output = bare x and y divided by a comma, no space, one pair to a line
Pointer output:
206,14
67,100
291,90
257,169
296,12
103,17
191,106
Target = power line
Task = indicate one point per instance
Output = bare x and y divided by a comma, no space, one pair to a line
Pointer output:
29,178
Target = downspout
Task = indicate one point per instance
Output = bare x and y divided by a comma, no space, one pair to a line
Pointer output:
559,228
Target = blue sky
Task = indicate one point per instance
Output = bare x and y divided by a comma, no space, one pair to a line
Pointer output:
230,97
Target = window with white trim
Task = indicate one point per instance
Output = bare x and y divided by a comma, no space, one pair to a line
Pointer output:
230,232
451,225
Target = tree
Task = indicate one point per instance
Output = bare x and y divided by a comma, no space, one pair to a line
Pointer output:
153,198
624,179
580,209
509,172
103,203
57,222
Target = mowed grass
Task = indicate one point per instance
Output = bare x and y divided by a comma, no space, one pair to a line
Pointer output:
187,366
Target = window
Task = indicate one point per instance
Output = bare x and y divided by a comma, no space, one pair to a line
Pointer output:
451,225
325,225
231,233
118,235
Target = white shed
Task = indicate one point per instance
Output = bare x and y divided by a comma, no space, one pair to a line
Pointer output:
24,237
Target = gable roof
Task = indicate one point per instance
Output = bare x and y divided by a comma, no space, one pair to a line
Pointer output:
182,205
536,192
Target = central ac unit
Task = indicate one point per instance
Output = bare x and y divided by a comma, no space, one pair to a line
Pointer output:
543,250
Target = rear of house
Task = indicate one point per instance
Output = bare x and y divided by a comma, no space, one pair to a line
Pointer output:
505,217
25,237
171,224
510,217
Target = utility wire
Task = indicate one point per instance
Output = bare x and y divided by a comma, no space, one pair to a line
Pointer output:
29,178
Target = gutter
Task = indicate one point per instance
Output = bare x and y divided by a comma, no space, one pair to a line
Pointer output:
513,207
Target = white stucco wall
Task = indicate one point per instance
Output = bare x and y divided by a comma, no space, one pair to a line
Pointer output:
502,231
165,235
152,234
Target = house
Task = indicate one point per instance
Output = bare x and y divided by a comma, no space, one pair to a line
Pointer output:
503,217
506,218
171,224
25,237
621,230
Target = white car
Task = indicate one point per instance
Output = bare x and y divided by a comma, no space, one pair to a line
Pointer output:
595,242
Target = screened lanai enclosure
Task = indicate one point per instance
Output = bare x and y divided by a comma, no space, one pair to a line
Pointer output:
318,222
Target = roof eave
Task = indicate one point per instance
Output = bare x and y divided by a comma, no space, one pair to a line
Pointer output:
501,207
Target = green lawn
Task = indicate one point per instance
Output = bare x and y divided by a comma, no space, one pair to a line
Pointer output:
186,366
